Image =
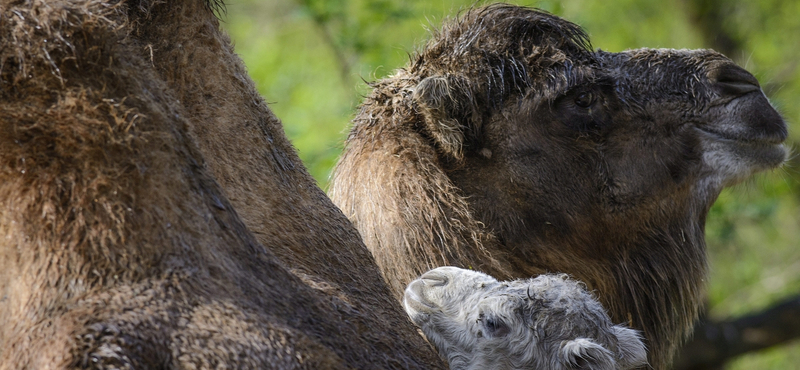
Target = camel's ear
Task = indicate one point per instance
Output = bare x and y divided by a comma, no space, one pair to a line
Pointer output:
632,352
585,354
446,104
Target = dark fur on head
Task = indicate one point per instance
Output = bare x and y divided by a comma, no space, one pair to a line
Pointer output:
484,58
509,146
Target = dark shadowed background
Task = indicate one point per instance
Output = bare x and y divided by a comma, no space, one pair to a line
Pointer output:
310,58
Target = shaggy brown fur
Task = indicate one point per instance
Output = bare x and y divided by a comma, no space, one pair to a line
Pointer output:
120,250
249,155
509,146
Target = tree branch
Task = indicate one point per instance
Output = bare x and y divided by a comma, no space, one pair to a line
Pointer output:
715,343
322,26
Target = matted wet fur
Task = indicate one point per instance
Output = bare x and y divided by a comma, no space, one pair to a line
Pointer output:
509,146
120,250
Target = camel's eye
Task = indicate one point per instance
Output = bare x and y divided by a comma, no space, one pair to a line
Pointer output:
585,99
584,108
495,327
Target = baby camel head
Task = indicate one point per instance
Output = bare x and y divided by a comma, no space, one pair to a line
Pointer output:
549,322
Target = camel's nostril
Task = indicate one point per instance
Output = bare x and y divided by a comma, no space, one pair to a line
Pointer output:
731,79
434,278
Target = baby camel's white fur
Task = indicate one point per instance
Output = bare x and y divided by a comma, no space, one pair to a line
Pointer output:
549,322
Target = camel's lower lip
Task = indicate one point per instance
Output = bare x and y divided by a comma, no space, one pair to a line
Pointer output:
417,311
760,154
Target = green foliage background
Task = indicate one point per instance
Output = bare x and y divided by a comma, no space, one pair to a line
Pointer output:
310,59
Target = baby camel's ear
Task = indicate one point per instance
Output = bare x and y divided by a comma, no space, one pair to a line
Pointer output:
447,105
632,352
585,354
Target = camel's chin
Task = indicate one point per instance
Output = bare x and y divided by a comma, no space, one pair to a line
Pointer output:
417,312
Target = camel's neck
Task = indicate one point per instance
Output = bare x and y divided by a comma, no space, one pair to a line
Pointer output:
660,284
412,225
650,277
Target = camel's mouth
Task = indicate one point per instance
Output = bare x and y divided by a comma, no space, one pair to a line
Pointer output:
415,302
732,158
747,129
761,140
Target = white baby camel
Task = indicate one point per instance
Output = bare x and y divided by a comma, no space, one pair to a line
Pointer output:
549,322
